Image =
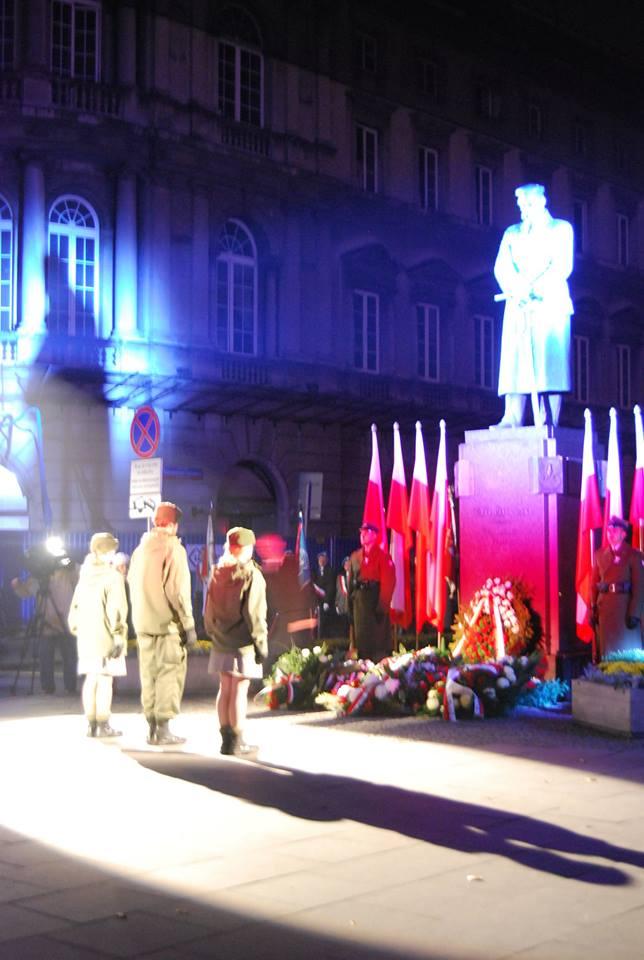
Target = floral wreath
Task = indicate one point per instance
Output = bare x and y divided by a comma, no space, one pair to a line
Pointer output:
498,621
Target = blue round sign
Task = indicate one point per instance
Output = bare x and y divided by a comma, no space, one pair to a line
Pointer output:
145,432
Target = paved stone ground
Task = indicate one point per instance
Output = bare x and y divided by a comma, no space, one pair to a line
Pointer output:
520,838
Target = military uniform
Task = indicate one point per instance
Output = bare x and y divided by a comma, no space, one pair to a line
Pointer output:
159,579
372,578
617,598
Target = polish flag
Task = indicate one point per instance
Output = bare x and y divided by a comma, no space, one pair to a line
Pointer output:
590,519
636,514
613,502
400,611
440,556
419,522
207,558
374,504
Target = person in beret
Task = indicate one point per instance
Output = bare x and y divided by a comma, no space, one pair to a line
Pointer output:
372,578
98,620
159,579
616,610
235,620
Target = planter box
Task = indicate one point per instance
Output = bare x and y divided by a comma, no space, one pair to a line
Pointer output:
198,680
617,710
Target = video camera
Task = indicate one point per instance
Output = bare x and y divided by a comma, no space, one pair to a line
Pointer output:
44,559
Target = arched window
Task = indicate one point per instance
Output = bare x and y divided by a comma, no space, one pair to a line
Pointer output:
236,291
72,268
240,67
6,266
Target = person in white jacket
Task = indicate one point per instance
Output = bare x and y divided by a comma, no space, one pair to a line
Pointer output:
98,619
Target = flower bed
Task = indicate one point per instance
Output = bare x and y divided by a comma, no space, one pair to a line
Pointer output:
610,695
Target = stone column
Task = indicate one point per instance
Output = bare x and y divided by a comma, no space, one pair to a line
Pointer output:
125,258
33,251
200,267
126,46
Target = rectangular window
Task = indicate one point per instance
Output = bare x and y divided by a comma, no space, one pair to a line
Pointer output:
622,240
366,308
579,225
367,53
484,196
535,122
428,178
7,34
484,352
367,158
239,84
489,102
428,338
427,78
580,385
623,375
6,261
74,39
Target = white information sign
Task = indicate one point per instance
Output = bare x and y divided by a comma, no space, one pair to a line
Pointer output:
145,487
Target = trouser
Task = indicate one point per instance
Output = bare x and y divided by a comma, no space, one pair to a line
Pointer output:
97,696
371,626
47,652
162,667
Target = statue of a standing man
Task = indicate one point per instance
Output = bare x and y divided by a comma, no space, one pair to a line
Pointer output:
532,267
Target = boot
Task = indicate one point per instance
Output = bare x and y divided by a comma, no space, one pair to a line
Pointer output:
164,736
91,728
104,730
227,736
152,730
242,749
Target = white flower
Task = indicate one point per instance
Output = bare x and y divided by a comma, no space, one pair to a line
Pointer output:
490,692
278,673
380,692
502,683
507,584
466,700
353,693
523,661
317,651
510,674
324,658
497,580
488,584
306,652
510,595
392,684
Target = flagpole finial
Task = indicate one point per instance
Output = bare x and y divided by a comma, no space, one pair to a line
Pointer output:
418,426
637,410
396,426
374,428
612,413
587,414
441,424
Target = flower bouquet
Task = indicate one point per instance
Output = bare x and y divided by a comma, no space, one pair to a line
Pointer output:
297,677
622,668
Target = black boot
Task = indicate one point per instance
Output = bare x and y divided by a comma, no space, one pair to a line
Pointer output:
91,728
104,730
227,736
164,736
152,730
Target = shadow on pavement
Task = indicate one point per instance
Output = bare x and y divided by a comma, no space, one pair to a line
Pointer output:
465,827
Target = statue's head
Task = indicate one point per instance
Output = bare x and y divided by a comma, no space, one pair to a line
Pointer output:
531,200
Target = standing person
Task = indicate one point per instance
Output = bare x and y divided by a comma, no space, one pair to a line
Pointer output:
532,267
52,584
98,619
323,579
342,596
235,620
159,579
121,562
372,578
617,592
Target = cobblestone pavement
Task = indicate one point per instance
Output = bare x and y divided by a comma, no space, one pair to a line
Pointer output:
356,838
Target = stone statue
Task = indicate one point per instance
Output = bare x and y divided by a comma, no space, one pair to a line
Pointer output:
532,267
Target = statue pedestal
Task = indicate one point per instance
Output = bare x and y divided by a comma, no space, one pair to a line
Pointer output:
518,492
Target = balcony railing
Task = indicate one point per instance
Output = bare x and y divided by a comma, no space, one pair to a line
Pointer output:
86,97
243,137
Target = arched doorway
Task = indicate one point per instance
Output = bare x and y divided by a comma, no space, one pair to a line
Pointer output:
248,497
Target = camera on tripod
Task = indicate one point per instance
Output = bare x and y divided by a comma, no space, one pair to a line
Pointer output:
44,559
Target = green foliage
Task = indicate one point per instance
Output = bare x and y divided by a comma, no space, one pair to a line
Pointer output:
545,695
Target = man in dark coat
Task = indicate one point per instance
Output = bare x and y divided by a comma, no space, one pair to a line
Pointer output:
617,592
372,578
323,579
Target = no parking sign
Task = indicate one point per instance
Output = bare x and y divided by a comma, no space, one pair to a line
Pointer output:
145,432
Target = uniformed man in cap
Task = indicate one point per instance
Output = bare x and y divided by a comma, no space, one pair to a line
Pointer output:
617,592
372,578
159,579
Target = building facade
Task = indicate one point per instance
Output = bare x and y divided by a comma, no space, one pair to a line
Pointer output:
276,224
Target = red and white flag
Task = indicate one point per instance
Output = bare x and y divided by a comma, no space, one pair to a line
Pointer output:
440,556
374,504
636,513
400,611
590,519
207,558
613,502
419,522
